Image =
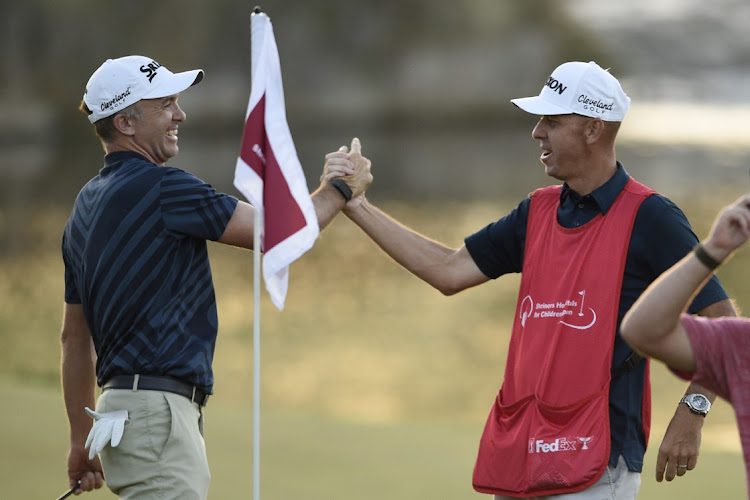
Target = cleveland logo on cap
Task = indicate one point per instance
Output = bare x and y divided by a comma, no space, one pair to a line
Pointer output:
115,101
595,105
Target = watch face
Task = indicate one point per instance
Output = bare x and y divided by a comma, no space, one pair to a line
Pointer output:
699,402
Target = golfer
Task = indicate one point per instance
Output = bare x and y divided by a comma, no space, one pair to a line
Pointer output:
140,312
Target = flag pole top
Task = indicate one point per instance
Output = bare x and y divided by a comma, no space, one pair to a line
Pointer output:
257,10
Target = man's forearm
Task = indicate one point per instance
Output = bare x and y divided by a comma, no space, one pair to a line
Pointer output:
449,270
78,380
328,202
657,311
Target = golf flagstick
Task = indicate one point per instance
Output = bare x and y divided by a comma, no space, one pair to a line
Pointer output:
256,354
256,34
269,174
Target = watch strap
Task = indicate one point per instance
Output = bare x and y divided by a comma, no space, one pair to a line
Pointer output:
342,187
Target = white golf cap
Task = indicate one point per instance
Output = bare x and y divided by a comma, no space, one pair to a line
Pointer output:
581,88
118,83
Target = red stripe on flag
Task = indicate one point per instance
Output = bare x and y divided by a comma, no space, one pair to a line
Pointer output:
254,139
283,215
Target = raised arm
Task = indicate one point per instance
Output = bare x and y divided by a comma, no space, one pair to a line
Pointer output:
653,327
450,270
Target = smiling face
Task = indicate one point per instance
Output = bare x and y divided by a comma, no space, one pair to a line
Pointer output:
155,128
565,150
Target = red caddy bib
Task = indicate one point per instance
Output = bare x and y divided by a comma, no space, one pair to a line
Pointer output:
548,431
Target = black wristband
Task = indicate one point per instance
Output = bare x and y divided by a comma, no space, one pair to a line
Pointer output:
705,259
343,188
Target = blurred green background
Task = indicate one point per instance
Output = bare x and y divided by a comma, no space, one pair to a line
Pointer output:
373,384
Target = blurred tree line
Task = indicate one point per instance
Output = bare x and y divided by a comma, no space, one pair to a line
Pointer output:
415,79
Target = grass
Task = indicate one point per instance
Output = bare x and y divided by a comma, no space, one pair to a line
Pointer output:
374,385
320,457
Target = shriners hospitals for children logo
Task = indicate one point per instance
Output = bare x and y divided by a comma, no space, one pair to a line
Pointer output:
570,312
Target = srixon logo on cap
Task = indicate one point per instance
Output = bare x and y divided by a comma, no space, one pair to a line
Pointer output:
150,69
556,85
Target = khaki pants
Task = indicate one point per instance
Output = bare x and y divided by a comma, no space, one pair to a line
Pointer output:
162,453
617,483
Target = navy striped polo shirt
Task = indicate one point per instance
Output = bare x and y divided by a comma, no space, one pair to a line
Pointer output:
136,259
661,236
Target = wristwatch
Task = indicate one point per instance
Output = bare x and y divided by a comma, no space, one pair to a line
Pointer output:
698,403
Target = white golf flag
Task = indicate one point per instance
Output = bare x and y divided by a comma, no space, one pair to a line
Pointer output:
268,172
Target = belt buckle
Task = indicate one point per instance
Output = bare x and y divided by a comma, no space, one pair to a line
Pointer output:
202,401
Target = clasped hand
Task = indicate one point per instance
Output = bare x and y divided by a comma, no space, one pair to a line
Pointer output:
350,166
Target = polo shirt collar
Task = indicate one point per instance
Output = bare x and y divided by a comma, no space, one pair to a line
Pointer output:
604,195
121,156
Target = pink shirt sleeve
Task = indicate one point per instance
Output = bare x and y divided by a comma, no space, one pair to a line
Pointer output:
722,352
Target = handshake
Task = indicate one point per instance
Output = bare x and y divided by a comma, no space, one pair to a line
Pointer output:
348,171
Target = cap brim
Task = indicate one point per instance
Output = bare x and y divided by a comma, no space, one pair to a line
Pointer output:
176,83
537,105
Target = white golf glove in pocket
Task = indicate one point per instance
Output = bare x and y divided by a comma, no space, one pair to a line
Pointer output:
108,428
